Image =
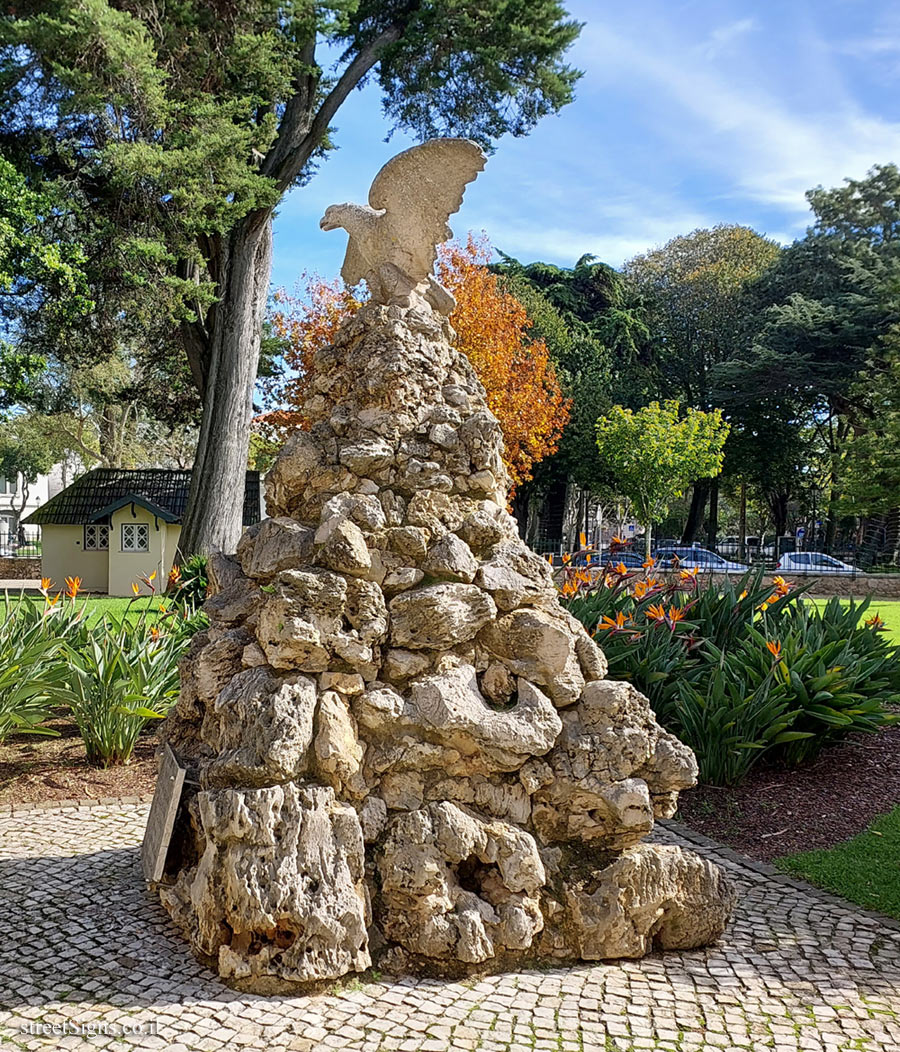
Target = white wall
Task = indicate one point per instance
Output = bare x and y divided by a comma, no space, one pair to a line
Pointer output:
64,556
126,568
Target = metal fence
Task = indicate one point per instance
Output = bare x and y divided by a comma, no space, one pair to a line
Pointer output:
790,553
21,543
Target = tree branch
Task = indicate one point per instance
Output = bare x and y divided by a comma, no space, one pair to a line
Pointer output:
300,143
295,119
76,441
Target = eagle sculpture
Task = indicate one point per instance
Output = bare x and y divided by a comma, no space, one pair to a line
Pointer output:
393,239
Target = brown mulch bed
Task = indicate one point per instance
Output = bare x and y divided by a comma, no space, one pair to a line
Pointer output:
778,812
34,769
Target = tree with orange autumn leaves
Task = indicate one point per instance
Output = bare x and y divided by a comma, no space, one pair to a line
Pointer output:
491,328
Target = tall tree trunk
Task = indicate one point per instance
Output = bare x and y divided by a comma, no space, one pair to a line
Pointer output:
712,523
743,522
831,521
20,514
520,504
778,505
215,504
695,515
533,517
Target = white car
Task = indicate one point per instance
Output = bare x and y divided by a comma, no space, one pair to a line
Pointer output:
705,560
816,563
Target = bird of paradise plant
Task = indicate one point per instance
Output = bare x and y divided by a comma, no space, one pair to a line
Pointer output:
742,668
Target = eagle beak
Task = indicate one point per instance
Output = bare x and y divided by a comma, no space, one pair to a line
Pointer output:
326,224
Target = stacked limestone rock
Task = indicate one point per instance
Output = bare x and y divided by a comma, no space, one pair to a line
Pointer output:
404,748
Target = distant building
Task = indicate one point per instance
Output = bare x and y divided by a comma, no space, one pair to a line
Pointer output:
18,499
113,526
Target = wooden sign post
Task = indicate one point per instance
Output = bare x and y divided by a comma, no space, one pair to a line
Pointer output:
161,820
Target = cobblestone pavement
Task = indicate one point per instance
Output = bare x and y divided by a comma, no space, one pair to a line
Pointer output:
85,944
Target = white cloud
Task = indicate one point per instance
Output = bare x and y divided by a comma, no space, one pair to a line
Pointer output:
614,234
880,50
686,117
746,129
720,39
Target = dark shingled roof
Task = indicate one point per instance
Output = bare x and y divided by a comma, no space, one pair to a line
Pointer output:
163,491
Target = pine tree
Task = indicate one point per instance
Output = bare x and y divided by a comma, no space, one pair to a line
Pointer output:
169,133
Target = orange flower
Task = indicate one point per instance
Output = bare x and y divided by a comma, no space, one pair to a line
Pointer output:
582,539
618,622
774,649
656,612
46,585
650,562
73,586
617,540
688,575
640,589
148,580
743,595
154,635
676,614
175,572
567,558
875,623
52,600
782,587
549,560
621,569
136,588
654,582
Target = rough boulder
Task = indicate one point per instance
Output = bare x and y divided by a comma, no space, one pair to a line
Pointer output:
400,748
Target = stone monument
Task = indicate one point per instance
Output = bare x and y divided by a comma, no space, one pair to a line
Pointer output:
401,749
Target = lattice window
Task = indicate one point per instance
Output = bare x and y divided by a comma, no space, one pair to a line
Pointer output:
96,538
135,537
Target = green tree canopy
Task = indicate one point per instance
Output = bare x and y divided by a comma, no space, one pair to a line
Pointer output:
818,344
601,360
38,272
29,449
694,289
169,137
657,451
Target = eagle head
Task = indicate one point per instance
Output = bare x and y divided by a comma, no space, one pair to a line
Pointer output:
333,218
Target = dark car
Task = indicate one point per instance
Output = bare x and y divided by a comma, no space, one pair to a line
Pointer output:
631,559
705,560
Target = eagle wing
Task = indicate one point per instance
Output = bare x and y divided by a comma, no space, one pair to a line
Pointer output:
354,267
419,190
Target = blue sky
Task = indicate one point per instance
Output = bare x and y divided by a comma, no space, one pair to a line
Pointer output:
690,113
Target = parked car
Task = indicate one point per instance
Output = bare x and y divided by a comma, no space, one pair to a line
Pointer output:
705,560
591,557
729,545
586,557
814,563
631,559
671,542
755,547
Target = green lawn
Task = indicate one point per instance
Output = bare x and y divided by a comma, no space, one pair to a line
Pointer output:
865,870
887,609
97,606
